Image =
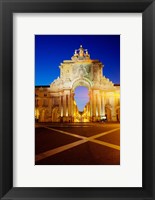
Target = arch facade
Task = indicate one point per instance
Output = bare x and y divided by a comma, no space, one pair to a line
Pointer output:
82,82
58,98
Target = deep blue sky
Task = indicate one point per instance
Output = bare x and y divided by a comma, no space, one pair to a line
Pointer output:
51,50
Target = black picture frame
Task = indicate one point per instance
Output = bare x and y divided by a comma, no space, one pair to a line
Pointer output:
7,8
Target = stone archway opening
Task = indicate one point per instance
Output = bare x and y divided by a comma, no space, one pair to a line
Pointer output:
81,92
81,98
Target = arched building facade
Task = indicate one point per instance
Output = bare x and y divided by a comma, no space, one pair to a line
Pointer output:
56,103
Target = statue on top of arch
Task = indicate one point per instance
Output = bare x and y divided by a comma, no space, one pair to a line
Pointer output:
81,54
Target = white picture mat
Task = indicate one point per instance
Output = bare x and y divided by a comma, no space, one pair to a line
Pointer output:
129,172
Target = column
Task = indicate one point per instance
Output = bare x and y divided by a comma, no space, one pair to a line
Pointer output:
64,105
94,99
113,111
60,105
72,104
91,106
99,104
93,111
87,109
96,102
69,105
102,104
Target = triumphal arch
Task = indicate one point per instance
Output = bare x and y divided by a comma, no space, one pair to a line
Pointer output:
56,103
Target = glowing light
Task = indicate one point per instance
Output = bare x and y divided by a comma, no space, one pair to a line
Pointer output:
37,113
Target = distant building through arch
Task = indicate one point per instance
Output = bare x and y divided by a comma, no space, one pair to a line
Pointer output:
56,103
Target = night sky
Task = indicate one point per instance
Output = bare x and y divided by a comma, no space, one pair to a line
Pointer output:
51,50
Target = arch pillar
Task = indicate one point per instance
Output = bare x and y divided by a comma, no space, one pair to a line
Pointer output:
64,105
68,105
102,104
61,105
72,106
99,105
91,104
94,105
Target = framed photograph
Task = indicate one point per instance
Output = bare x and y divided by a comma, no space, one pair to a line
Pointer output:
77,99
80,104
